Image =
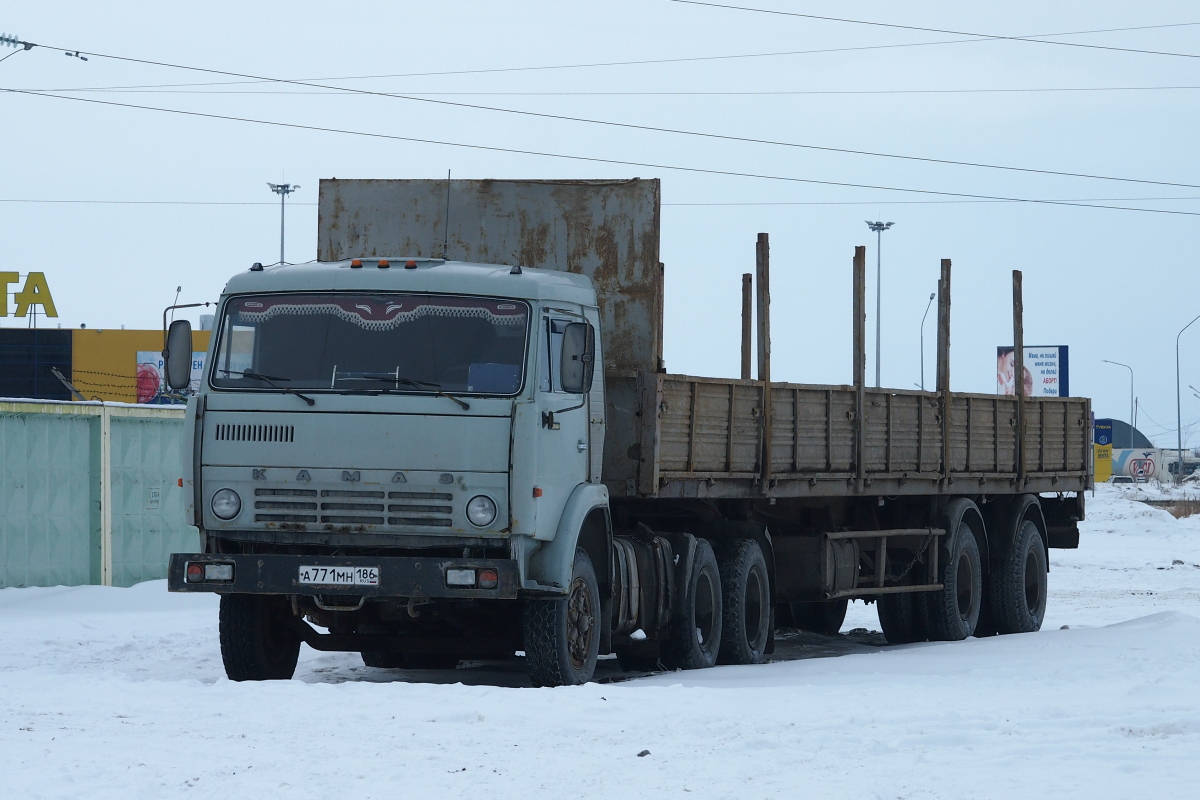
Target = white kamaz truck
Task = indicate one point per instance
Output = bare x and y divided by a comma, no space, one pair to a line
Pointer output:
453,436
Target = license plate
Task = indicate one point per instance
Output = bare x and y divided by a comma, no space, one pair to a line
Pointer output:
340,576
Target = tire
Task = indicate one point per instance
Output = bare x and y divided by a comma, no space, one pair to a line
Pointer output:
562,636
1019,584
901,618
694,637
953,612
746,600
256,644
818,617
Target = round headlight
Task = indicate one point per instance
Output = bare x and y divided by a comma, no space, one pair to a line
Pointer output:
481,511
226,504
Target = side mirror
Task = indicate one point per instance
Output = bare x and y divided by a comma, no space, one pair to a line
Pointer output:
578,357
177,357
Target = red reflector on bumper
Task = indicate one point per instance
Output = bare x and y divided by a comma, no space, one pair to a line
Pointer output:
488,579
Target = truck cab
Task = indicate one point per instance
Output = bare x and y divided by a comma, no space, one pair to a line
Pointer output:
382,443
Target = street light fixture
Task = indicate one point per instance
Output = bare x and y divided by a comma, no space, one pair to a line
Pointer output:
878,228
283,190
1179,403
927,306
1126,366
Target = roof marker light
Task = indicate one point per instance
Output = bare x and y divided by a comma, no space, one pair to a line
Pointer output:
356,263
384,263
410,264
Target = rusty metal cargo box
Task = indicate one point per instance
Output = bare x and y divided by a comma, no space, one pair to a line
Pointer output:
606,230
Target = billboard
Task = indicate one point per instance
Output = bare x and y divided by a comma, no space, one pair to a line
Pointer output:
1046,371
1102,449
152,377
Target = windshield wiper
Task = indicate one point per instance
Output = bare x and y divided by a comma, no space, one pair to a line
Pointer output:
435,387
270,380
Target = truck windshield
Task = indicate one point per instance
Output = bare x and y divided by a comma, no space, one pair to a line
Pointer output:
372,343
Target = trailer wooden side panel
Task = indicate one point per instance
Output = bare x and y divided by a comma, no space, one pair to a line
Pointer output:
703,437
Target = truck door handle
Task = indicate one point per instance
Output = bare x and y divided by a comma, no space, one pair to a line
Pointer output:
582,445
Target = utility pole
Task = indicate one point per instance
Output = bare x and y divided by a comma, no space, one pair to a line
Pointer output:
283,190
1126,366
879,228
1178,404
927,305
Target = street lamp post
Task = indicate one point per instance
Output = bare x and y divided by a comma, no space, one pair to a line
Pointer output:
879,228
283,190
927,305
1178,404
1126,366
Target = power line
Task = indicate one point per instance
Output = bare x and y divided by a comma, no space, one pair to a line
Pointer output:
765,93
634,126
153,202
1030,39
651,61
717,204
589,159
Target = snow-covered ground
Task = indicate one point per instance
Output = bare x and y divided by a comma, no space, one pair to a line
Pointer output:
120,693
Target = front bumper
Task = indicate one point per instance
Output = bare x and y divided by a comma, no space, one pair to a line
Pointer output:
398,576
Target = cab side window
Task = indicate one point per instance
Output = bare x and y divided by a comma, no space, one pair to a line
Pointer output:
549,379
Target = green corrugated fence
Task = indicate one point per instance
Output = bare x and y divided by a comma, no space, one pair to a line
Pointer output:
89,493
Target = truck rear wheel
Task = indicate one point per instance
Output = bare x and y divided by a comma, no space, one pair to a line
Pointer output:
1019,584
256,644
562,636
746,599
694,637
953,611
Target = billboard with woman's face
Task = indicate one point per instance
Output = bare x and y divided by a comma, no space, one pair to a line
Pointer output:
1045,373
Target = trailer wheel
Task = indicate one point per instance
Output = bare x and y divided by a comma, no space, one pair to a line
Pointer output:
1019,584
746,597
562,636
694,638
901,619
953,612
824,617
256,644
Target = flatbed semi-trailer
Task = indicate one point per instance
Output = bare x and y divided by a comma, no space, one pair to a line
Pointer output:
498,460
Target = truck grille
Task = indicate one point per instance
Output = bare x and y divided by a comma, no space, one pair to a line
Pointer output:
433,507
255,433
288,501
355,507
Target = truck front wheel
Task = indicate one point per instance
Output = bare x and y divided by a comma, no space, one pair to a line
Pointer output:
256,643
562,636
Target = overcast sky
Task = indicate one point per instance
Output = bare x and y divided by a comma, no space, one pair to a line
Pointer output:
1109,283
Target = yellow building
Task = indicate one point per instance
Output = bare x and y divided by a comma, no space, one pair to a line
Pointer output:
124,366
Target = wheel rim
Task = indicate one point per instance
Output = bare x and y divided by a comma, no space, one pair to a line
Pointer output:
580,623
754,607
1033,582
706,604
965,580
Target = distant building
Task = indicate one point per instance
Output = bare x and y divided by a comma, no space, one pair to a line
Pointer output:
117,365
